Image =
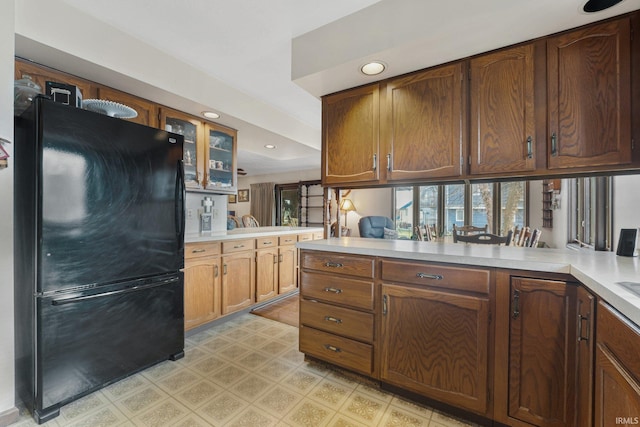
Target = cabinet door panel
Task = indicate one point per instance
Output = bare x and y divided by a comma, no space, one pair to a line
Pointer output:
193,153
238,281
147,111
287,262
436,344
41,74
423,118
502,111
589,91
542,352
201,291
617,376
350,136
266,274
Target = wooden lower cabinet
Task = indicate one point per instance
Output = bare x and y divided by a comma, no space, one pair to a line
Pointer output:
436,343
545,377
266,274
238,281
201,291
287,269
542,352
617,366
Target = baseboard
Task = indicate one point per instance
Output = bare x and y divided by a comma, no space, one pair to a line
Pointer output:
9,417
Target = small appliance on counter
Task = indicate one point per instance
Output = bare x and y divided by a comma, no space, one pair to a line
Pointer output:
628,242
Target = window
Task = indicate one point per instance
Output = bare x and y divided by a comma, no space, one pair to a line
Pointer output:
590,214
404,211
512,205
501,206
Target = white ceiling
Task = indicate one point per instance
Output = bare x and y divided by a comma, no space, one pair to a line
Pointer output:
263,64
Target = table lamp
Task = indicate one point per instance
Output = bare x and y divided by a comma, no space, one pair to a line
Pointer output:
346,205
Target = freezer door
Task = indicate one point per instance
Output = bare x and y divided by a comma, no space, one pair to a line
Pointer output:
112,199
87,340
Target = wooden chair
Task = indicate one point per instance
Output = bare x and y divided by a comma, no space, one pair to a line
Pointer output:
249,221
235,220
486,238
466,229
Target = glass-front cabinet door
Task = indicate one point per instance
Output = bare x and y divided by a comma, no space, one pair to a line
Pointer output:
193,154
221,158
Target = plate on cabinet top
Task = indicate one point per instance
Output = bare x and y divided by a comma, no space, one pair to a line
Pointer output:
110,108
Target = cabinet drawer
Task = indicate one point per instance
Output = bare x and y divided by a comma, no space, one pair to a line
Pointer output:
288,240
339,264
266,242
337,289
305,237
198,250
338,350
237,246
337,320
461,278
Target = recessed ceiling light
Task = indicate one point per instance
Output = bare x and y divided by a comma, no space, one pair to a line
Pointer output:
270,146
599,5
211,115
373,68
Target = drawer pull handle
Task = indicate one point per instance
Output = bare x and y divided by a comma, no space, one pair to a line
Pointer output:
238,246
197,251
267,243
333,319
332,348
334,290
430,276
217,272
333,264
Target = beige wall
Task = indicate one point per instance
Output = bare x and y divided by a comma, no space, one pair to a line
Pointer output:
7,399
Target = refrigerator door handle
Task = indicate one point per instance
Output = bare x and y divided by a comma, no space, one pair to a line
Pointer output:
180,198
63,301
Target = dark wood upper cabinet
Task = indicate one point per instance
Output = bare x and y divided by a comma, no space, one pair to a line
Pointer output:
422,124
502,117
350,136
589,96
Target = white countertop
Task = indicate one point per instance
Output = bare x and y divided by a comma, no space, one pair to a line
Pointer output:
604,273
248,233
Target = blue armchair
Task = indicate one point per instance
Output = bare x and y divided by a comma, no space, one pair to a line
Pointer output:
373,226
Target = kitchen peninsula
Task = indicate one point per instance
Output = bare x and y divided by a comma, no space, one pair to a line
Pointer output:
515,335
229,271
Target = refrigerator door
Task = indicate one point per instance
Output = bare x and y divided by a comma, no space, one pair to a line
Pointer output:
112,199
89,339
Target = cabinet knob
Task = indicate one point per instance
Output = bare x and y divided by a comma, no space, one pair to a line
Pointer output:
375,162
554,145
389,162
529,148
516,304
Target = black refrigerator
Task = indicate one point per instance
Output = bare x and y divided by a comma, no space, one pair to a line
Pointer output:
99,232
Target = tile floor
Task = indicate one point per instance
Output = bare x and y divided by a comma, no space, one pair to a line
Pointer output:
244,372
